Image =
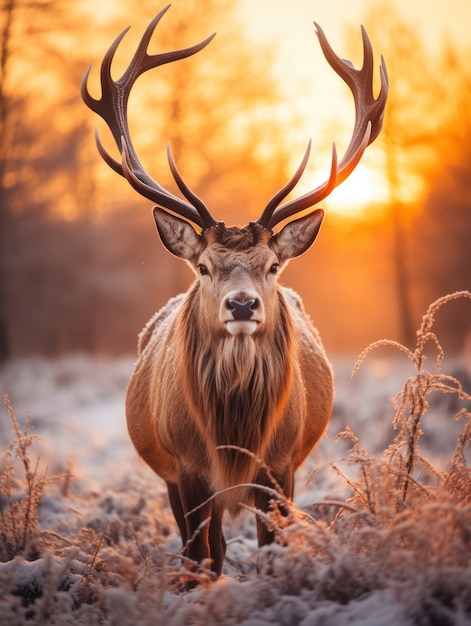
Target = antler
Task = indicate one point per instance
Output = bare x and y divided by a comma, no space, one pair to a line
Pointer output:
112,107
369,114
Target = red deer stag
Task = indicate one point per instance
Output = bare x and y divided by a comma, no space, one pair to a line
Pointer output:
234,364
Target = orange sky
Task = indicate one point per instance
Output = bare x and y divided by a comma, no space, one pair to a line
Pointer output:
435,19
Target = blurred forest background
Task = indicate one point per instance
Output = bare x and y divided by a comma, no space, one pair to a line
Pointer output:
81,266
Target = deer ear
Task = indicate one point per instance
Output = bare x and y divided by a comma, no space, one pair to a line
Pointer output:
297,236
177,235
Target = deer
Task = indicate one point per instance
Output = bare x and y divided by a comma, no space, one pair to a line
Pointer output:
232,387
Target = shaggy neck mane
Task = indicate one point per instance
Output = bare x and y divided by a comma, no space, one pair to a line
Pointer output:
238,386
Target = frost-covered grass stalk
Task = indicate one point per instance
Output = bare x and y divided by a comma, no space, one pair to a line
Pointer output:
411,403
20,496
390,546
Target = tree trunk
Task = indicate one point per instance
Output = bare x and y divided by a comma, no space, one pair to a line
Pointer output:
7,15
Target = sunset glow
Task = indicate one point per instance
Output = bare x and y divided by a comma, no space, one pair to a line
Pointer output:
364,188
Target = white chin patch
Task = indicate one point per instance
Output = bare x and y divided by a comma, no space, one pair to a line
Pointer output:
245,327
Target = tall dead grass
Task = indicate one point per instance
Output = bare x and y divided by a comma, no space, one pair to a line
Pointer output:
411,405
21,489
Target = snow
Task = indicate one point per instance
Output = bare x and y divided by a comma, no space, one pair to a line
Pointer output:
110,544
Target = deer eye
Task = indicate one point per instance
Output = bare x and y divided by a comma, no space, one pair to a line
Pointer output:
274,268
203,270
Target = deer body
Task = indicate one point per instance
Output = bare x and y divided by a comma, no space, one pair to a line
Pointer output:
232,387
197,387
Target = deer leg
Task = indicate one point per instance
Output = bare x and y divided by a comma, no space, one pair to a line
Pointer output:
198,519
217,543
263,500
177,509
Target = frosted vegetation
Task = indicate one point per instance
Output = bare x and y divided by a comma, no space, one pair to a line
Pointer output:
380,531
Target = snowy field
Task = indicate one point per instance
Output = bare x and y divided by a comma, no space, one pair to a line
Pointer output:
356,550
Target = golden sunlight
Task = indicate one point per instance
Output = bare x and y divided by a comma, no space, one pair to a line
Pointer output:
365,187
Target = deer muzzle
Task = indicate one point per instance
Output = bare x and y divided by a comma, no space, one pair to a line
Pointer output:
241,313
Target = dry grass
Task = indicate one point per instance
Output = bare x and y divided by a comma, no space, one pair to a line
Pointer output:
20,495
411,405
403,536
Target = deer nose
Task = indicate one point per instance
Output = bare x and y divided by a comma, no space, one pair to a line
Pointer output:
242,311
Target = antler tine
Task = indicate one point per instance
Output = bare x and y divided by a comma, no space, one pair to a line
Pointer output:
284,191
369,112
161,196
304,202
112,107
360,82
186,191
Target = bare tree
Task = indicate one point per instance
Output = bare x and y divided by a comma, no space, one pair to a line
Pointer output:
8,9
407,139
38,163
445,218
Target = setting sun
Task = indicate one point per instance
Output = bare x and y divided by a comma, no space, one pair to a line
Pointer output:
365,186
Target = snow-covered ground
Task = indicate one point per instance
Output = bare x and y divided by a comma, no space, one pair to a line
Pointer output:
110,541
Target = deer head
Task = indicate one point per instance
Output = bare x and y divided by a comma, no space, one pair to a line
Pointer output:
237,268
